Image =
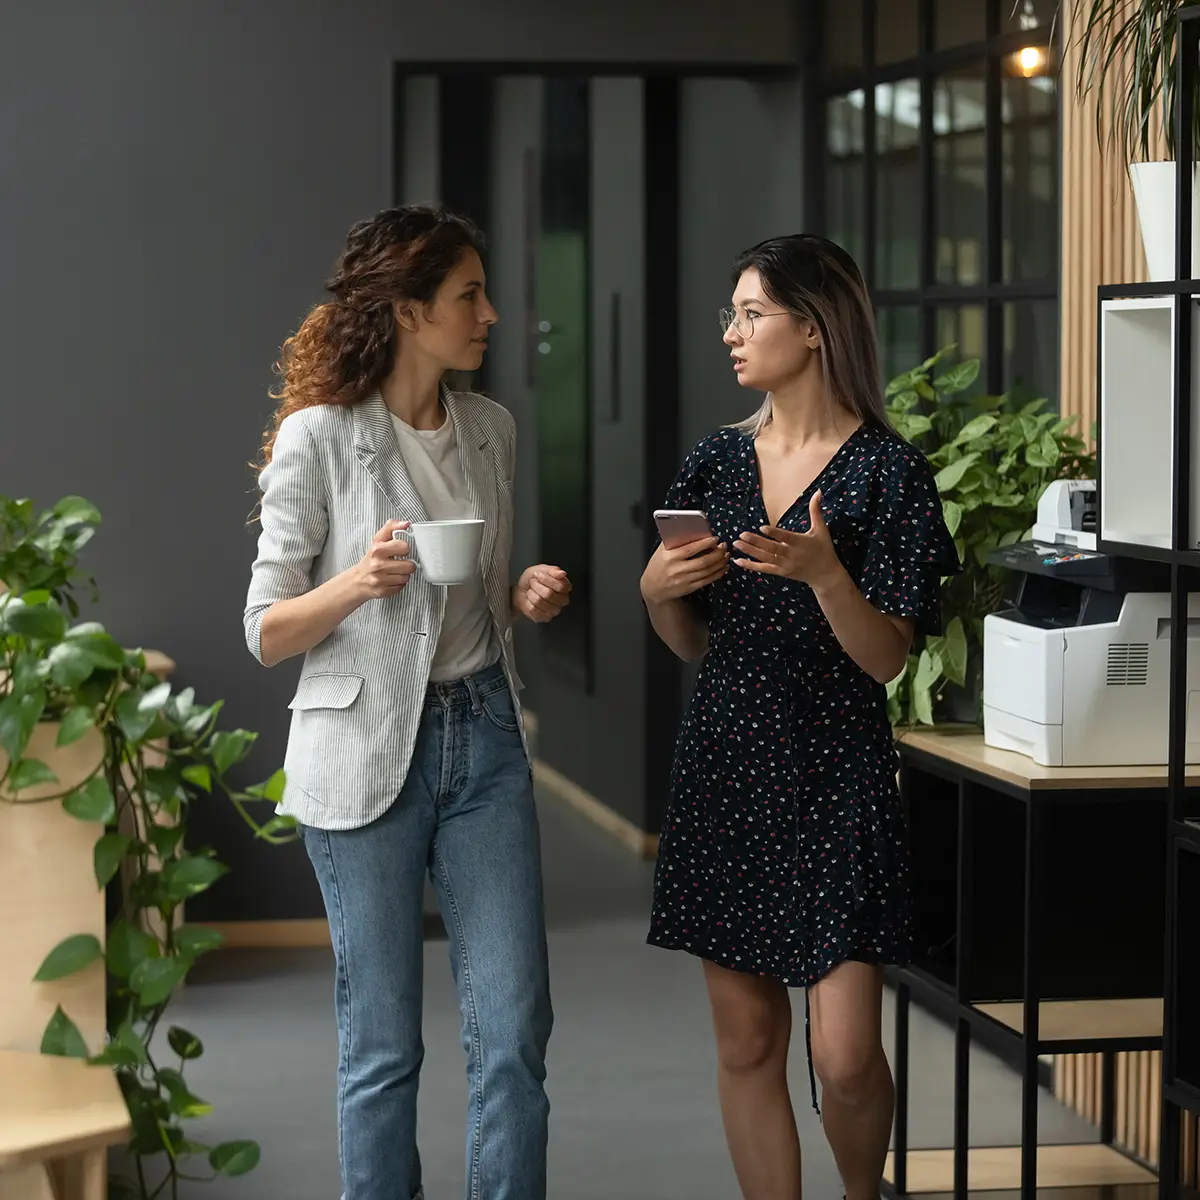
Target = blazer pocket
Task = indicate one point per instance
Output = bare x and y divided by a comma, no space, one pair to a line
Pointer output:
326,691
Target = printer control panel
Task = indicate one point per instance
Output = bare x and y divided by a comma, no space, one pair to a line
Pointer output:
1040,558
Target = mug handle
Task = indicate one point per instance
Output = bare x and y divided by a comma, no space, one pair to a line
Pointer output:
406,535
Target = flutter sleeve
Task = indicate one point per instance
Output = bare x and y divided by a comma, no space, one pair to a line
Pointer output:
909,550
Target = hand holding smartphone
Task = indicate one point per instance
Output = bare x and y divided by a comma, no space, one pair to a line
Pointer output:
679,527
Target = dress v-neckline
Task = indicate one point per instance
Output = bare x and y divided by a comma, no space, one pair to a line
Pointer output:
756,463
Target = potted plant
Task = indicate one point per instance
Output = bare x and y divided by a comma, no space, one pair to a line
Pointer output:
993,457
1127,58
109,759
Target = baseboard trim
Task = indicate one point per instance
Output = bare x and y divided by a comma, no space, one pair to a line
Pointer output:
643,844
296,933
301,933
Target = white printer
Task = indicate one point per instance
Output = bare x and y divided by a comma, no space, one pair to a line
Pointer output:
1075,666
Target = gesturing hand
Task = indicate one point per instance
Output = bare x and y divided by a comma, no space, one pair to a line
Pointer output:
542,593
806,557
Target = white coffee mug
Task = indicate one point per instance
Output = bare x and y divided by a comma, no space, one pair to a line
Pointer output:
446,552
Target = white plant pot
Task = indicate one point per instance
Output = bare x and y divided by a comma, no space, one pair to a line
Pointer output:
1154,192
47,876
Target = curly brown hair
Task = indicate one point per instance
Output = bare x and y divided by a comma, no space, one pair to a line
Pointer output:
345,347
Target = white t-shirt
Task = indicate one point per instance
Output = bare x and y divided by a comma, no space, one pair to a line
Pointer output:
466,644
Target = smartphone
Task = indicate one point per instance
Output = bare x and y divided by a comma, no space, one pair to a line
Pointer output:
678,527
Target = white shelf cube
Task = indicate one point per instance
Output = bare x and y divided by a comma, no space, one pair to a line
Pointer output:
1137,337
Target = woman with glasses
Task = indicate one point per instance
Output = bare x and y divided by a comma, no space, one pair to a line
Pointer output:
783,860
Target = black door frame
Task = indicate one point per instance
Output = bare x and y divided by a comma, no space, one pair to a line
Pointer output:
662,679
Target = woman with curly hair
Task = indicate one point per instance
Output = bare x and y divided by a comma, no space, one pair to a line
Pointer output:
406,752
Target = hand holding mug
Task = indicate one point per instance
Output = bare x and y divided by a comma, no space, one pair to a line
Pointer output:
383,571
673,574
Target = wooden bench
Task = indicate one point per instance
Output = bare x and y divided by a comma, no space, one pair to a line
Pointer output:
58,1116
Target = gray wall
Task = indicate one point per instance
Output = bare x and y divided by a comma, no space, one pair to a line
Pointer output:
742,181
175,183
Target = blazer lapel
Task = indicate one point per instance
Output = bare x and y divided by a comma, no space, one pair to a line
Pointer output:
478,461
377,449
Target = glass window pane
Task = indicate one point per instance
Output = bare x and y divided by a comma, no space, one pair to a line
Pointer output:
957,22
1026,14
960,177
844,34
966,328
1031,348
898,184
1029,175
895,31
845,215
899,339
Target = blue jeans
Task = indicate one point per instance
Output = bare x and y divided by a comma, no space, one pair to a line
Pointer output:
466,814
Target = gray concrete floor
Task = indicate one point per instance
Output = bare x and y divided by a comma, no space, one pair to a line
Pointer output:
632,1065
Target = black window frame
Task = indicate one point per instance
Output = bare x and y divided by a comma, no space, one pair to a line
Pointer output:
826,84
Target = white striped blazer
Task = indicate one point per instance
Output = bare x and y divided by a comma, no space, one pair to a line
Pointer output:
335,478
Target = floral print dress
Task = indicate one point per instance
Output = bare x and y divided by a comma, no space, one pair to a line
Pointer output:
783,850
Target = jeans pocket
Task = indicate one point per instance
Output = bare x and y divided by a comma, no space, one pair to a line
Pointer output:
499,708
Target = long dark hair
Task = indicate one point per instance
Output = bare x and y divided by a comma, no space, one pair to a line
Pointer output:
347,345
816,280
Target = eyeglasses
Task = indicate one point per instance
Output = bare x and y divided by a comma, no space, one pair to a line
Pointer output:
744,326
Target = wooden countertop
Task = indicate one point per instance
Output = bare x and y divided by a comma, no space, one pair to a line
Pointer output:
51,1107
963,745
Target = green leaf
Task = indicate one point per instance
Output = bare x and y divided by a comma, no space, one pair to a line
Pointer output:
272,790
77,510
135,723
915,425
44,622
278,824
62,1037
954,652
183,1103
958,378
929,670
191,941
128,948
69,665
164,839
187,877
129,1037
950,476
234,1158
69,956
154,979
92,801
952,513
975,428
153,700
75,723
229,747
200,775
91,638
115,1055
107,857
29,772
923,705
186,1045
1050,448
18,716
1035,458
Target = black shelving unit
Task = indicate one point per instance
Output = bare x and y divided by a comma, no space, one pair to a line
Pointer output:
1033,892
1181,998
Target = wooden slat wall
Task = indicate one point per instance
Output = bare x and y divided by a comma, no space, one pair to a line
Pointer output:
1101,242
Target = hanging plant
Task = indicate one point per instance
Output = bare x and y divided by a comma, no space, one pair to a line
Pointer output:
160,752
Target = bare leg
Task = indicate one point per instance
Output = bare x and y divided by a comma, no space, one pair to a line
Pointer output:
752,1018
857,1096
